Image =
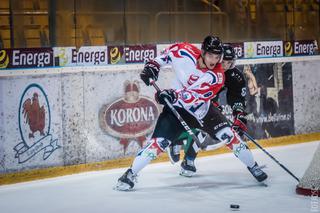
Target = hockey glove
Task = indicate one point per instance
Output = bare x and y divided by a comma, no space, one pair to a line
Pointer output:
168,94
150,71
239,122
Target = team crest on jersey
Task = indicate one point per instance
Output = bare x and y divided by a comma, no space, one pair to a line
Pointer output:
186,96
192,79
237,76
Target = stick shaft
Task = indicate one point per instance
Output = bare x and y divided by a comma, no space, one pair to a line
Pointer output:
175,112
267,153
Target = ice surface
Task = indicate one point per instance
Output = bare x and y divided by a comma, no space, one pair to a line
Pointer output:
221,180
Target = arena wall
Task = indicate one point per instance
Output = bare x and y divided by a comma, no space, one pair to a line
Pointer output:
59,116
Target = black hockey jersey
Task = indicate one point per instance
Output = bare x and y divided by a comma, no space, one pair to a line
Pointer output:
235,84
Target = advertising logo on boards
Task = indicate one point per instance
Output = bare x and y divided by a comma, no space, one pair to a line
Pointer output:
84,56
263,49
299,48
130,117
34,125
26,58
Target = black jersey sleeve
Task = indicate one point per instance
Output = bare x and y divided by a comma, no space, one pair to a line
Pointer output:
236,86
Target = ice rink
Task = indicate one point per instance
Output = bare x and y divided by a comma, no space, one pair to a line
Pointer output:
221,180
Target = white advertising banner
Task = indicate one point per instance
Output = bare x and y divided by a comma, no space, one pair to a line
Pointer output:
263,49
84,56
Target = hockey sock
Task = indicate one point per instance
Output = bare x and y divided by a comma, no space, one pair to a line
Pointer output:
150,152
190,152
241,151
244,154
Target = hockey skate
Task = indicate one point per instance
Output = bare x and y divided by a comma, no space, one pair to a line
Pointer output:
173,153
126,181
187,168
257,172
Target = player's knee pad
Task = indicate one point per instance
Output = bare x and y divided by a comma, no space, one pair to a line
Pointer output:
228,136
232,140
154,147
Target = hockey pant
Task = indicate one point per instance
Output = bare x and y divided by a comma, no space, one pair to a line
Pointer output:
226,136
168,129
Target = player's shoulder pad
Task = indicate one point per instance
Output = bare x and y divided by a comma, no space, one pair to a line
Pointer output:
235,74
190,48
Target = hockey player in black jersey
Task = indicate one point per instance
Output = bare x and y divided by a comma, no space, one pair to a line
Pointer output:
235,84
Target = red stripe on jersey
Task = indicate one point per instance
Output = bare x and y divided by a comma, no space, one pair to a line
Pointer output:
207,90
192,50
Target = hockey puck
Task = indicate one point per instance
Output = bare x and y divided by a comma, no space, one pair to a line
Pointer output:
234,206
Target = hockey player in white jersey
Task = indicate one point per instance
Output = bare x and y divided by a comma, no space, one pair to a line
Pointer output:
235,84
199,77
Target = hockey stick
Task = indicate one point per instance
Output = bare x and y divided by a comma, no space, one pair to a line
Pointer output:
195,138
178,116
267,153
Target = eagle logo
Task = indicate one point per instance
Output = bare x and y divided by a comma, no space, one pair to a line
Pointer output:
34,115
34,125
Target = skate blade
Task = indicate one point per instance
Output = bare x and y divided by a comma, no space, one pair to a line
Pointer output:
186,173
122,187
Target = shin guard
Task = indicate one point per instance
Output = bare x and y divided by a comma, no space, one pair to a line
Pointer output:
237,145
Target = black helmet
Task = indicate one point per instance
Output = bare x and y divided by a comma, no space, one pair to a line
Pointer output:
228,52
212,44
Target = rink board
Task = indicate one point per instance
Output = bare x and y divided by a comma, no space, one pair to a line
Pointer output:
35,174
58,117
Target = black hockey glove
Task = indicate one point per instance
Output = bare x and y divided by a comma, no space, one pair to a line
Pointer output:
150,71
169,94
239,122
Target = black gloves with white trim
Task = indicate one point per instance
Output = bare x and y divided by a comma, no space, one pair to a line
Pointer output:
150,72
168,94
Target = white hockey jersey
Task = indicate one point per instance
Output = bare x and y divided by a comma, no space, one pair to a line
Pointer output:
195,86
